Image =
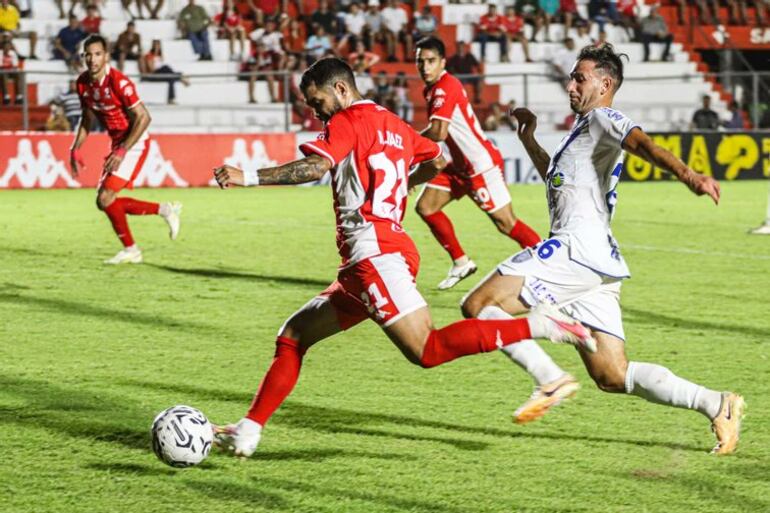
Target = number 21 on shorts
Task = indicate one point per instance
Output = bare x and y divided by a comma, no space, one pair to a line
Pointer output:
374,300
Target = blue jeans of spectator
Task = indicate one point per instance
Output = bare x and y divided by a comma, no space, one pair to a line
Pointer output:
483,37
200,43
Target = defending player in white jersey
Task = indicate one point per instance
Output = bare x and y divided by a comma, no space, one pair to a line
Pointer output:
368,150
580,267
476,169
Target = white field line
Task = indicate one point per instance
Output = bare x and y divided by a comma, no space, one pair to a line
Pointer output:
656,249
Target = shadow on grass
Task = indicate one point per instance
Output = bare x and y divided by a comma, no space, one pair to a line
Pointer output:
237,275
316,455
254,495
85,310
133,469
657,319
338,420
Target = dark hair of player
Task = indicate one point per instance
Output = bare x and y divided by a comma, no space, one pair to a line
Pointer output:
93,39
432,43
326,72
606,59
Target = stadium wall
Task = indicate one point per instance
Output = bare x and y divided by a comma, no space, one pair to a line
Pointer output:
41,160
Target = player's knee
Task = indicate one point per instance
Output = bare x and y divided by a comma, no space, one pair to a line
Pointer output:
104,200
471,305
611,380
424,210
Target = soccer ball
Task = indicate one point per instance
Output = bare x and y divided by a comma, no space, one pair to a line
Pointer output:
181,436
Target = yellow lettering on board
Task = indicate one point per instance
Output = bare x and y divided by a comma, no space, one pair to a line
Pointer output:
698,160
737,152
766,156
637,168
672,143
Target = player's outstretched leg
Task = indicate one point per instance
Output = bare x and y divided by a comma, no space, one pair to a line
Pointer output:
428,207
429,347
612,372
313,322
493,298
514,228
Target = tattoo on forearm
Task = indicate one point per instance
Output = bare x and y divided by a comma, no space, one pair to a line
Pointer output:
299,171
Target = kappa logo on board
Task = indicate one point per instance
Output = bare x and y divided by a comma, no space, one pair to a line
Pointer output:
156,170
43,170
248,161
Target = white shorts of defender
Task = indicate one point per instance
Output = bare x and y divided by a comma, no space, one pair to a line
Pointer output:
551,276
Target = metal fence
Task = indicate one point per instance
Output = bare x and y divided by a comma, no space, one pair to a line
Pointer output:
750,89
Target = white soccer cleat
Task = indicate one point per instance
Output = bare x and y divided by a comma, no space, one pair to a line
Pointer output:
561,328
456,274
242,438
546,397
129,255
762,230
172,214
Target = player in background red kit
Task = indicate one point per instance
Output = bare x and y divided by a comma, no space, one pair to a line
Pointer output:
369,151
108,95
476,169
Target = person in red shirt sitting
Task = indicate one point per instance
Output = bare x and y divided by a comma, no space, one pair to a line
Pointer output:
370,58
230,26
492,27
93,21
514,30
568,13
9,62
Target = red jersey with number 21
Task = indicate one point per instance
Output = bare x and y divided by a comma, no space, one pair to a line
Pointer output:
371,150
110,99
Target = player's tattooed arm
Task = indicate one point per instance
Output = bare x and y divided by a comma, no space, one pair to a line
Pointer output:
527,125
426,171
640,144
305,170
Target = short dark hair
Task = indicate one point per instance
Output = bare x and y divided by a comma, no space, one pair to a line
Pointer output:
93,39
325,72
432,43
605,59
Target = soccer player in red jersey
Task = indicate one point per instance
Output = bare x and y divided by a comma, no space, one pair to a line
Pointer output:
476,169
369,151
108,96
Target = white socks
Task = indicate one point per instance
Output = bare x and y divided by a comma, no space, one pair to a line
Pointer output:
527,354
659,385
457,262
164,209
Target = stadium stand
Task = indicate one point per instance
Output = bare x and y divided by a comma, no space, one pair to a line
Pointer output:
217,101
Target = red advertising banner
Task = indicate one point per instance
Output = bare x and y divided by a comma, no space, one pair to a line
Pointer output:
41,160
744,38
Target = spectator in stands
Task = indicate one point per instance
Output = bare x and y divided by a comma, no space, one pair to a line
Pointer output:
425,24
462,64
603,12
705,118
230,26
152,66
66,44
9,24
394,22
69,101
10,64
260,65
269,9
708,12
360,53
248,12
602,39
194,21
530,11
128,46
56,121
295,66
514,30
294,35
153,11
548,8
354,22
582,38
760,11
317,45
491,27
403,105
653,28
383,89
323,17
364,81
737,12
628,18
736,121
568,14
93,21
564,60
273,40
497,118
373,28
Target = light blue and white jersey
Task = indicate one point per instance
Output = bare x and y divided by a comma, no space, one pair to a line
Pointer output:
581,183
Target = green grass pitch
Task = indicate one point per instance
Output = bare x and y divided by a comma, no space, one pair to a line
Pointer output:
90,353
